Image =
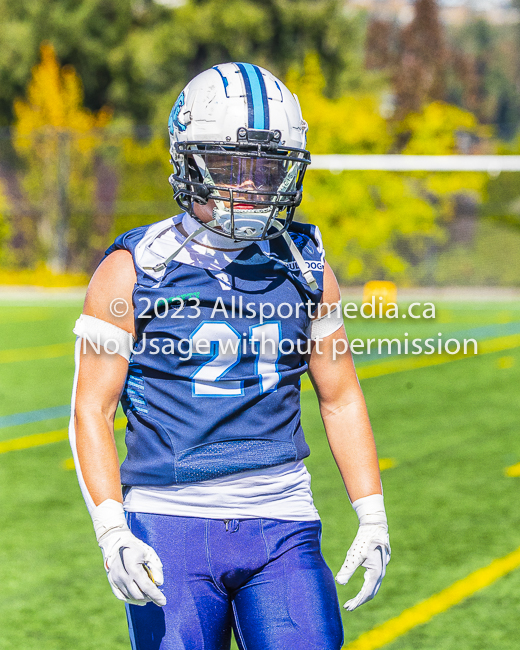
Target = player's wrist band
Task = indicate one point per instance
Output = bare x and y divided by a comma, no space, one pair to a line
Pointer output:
108,515
370,510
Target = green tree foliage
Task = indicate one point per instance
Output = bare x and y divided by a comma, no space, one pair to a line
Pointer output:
136,56
83,35
274,33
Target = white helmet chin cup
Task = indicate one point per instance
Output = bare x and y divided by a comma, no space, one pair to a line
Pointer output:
237,130
248,224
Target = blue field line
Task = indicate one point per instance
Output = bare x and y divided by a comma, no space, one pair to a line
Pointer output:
489,331
35,416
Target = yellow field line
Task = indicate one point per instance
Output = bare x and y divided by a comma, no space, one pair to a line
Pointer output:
436,604
37,352
499,344
402,364
512,470
38,439
411,363
25,319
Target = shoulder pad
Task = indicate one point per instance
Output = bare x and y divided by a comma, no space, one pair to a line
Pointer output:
128,240
302,233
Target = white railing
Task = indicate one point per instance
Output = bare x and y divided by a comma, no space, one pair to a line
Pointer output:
403,163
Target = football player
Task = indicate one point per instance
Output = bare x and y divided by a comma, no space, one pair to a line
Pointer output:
202,324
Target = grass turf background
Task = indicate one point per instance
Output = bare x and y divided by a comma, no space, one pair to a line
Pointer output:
452,430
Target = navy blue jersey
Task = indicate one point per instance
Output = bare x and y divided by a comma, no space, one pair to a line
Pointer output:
213,385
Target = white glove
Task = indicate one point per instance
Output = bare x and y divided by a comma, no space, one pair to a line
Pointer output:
133,568
370,549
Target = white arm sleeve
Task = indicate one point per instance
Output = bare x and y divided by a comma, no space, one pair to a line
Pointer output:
72,432
114,340
327,324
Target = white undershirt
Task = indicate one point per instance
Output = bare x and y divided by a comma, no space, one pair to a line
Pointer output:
280,492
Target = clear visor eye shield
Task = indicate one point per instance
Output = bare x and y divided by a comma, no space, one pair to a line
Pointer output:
250,182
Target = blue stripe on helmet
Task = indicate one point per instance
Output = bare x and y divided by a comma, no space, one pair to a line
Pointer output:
224,79
256,94
263,90
249,96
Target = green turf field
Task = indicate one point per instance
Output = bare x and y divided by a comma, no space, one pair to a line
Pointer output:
452,429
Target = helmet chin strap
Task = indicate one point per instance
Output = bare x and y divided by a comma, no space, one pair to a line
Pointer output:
163,265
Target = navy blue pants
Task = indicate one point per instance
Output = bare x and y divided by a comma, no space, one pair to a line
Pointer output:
264,578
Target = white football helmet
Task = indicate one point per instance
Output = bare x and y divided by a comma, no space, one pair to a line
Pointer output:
237,137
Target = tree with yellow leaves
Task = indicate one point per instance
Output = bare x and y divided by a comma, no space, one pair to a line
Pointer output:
57,138
371,220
